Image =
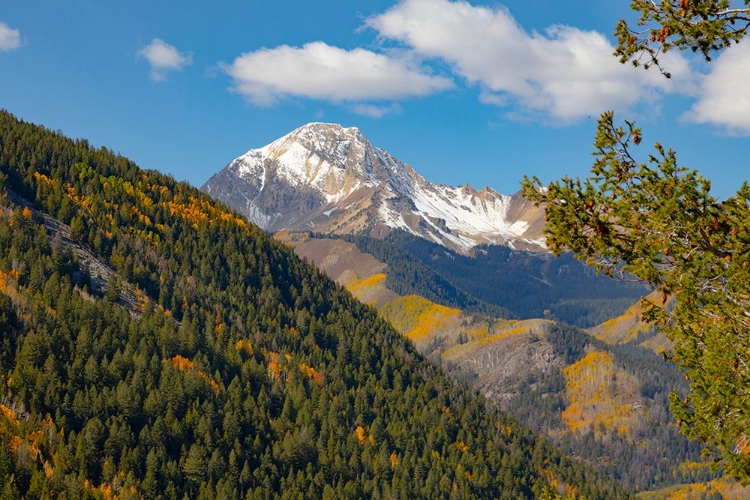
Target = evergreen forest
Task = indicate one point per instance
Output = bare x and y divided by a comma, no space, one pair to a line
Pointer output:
156,345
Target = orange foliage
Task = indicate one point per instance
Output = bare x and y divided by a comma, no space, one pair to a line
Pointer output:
359,432
198,210
743,445
394,460
182,363
28,436
185,364
311,373
9,415
274,370
214,385
42,177
111,492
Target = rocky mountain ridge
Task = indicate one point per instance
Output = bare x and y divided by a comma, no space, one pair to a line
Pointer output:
325,178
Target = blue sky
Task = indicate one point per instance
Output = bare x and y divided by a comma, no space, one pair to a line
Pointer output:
476,92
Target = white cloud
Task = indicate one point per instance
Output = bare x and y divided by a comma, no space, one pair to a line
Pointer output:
724,96
163,58
10,39
374,111
320,71
564,73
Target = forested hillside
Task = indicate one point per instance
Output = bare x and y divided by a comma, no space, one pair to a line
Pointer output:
601,394
156,345
501,282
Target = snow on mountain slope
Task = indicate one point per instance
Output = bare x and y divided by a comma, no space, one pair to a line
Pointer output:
326,178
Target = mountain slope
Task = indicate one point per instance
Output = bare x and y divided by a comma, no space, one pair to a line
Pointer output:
525,284
604,403
330,179
242,372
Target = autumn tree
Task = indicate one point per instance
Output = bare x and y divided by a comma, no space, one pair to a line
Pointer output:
650,218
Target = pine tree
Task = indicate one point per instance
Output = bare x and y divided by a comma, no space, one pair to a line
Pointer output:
657,221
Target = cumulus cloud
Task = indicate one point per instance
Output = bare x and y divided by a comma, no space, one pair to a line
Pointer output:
564,73
163,58
320,71
10,39
724,95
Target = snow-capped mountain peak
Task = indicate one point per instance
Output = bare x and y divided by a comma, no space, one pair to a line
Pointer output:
330,179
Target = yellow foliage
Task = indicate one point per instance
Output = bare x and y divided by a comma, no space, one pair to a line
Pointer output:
416,317
307,371
723,486
357,285
595,389
48,470
394,460
462,446
624,328
502,335
244,345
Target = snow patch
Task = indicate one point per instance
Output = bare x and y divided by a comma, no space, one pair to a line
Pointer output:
335,162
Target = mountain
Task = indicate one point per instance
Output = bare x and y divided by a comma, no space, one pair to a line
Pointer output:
325,178
157,345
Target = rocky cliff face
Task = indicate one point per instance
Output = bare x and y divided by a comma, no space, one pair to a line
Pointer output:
326,178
